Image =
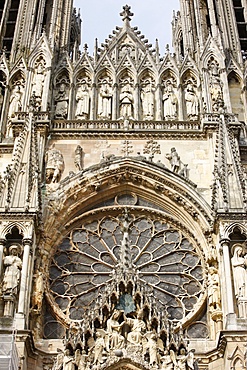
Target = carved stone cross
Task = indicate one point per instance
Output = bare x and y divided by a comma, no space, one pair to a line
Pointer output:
126,13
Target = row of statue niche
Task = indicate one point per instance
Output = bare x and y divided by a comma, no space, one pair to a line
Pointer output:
126,100
116,337
17,92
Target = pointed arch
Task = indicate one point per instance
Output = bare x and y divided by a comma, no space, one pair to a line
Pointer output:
8,229
235,84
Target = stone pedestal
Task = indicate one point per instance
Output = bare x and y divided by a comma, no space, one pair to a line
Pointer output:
9,305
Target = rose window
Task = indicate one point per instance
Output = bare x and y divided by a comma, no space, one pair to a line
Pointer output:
162,257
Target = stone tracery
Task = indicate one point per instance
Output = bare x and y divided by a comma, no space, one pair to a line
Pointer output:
124,282
164,263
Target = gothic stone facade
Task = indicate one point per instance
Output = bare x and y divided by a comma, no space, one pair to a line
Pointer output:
123,191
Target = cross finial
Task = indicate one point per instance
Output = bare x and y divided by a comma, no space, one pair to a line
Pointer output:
126,13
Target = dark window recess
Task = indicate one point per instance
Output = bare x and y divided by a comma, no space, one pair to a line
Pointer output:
237,3
216,13
10,25
241,24
181,47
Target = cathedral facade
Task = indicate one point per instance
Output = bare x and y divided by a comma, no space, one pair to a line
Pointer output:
123,191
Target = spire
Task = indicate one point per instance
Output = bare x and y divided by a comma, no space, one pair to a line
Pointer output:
126,14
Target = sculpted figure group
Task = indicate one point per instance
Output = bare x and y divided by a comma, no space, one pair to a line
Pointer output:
102,101
54,165
121,334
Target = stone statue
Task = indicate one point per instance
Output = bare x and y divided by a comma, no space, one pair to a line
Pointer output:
105,101
13,265
170,102
215,84
213,289
38,292
116,339
152,347
98,348
68,361
15,100
61,100
82,100
191,101
167,362
239,264
126,101
38,83
183,361
138,328
147,97
59,361
82,365
78,158
174,159
54,165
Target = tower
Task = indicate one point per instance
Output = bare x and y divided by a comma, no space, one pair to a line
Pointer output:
123,191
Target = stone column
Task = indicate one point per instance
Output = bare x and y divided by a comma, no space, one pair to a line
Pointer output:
115,112
136,104
93,113
24,273
182,113
158,103
228,280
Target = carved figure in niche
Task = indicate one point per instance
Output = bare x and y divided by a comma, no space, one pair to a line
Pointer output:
152,347
138,328
174,159
170,102
191,101
54,165
147,98
59,361
213,289
38,292
68,361
38,82
61,99
99,348
185,361
80,359
167,361
78,158
116,339
239,264
105,101
15,100
13,265
126,101
82,100
215,84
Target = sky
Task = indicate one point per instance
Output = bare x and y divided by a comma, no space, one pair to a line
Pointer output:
153,19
